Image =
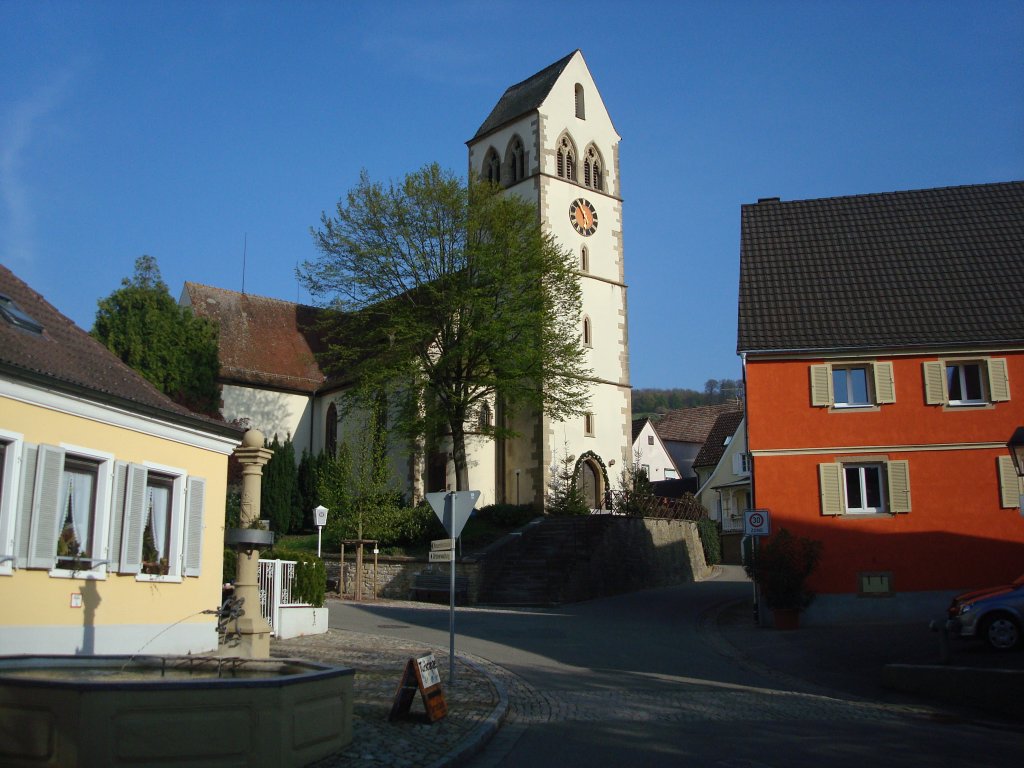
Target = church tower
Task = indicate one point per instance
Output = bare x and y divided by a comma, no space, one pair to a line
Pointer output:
550,140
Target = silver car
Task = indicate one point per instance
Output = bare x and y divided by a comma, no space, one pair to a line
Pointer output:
994,614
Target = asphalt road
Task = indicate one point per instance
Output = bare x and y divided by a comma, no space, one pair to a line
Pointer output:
644,680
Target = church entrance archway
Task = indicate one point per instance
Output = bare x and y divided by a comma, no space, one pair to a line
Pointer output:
591,482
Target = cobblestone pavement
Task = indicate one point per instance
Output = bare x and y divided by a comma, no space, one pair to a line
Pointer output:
490,706
476,703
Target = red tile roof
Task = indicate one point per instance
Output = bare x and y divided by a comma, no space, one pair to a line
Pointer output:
263,342
692,425
725,426
65,357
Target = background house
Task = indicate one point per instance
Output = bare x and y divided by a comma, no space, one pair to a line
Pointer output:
685,430
650,453
111,497
882,339
723,476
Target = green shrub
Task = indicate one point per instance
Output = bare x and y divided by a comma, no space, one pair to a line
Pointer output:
230,565
711,540
310,583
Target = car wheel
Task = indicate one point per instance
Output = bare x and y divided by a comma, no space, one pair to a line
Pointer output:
1001,632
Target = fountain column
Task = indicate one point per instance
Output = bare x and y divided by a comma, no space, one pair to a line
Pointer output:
254,630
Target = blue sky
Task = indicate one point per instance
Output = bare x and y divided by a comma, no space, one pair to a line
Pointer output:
194,131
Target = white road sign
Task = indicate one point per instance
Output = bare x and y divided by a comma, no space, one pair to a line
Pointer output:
442,556
453,508
757,522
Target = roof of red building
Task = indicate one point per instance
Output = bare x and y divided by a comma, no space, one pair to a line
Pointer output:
923,268
263,342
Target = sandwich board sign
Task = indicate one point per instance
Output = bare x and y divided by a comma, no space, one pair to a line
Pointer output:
420,675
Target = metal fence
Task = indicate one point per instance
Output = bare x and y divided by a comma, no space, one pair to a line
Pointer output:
276,581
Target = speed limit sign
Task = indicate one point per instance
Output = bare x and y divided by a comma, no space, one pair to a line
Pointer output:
757,522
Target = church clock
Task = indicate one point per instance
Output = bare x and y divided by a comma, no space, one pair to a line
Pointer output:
583,217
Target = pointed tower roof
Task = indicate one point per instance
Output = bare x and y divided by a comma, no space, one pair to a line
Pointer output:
523,97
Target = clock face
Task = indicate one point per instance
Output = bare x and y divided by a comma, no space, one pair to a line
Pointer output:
583,217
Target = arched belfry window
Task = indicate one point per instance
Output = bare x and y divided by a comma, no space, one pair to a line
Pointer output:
592,168
485,416
584,259
492,166
588,337
566,159
581,109
331,431
516,161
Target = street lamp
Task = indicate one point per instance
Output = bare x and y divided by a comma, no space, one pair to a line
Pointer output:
1016,446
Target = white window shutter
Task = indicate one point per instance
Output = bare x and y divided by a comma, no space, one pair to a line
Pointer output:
898,473
194,507
117,502
934,382
998,380
23,518
46,509
1009,483
833,501
885,384
821,385
134,520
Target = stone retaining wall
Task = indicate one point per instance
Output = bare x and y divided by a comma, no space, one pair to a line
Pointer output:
634,553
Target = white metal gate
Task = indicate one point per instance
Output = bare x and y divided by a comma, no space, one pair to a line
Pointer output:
276,580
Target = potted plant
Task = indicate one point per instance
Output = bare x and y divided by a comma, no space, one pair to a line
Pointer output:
780,567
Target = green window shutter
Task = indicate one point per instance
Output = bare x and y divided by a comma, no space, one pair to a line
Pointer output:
134,519
885,384
117,499
1009,483
898,473
831,478
935,382
23,519
821,385
998,380
194,507
47,518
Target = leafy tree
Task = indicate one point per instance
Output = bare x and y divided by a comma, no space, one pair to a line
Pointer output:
166,343
452,297
306,488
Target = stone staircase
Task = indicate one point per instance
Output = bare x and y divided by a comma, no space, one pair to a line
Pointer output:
536,564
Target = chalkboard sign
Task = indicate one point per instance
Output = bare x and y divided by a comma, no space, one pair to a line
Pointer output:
420,675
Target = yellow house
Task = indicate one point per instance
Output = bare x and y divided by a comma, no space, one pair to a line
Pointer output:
111,497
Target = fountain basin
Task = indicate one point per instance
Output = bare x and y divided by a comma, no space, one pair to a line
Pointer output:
187,711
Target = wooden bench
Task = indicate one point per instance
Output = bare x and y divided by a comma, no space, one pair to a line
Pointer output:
433,587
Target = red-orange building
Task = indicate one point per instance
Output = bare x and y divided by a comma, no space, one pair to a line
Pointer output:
883,345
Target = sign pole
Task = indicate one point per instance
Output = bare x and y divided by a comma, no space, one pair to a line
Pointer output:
449,516
453,509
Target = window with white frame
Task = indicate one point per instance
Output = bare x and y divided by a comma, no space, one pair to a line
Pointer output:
864,487
62,510
82,513
852,385
970,382
10,450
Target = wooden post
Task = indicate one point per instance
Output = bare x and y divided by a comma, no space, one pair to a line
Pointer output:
375,548
341,588
359,570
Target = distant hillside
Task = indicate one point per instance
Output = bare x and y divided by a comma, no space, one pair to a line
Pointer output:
653,402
